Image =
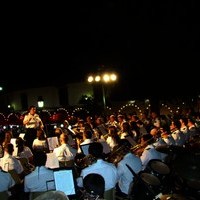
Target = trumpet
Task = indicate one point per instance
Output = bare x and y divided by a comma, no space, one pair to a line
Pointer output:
139,148
136,147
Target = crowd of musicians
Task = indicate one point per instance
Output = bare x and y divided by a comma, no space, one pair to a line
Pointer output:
121,147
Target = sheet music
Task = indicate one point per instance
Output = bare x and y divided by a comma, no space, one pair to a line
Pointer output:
52,143
84,148
21,135
13,141
131,140
106,147
64,181
52,161
102,129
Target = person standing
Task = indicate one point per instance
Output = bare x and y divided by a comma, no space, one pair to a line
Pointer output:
32,123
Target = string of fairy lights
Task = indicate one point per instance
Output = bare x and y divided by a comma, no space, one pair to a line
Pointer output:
137,107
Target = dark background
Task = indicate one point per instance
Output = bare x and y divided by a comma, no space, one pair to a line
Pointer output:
153,45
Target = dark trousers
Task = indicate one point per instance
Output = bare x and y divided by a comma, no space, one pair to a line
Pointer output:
30,135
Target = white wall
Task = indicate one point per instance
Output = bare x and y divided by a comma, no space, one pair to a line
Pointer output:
49,94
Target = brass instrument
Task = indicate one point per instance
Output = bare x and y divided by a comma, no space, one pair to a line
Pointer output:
106,135
82,161
138,149
89,160
117,155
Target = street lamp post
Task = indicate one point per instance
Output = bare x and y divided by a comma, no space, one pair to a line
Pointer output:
104,96
103,78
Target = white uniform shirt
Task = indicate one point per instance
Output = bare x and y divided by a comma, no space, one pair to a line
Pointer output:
111,142
39,144
123,135
9,162
35,121
26,153
65,152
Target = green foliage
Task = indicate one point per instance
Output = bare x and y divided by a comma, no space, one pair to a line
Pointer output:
89,103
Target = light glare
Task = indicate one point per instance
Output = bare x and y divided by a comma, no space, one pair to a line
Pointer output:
97,78
90,79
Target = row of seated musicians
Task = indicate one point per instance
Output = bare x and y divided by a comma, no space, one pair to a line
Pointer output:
51,162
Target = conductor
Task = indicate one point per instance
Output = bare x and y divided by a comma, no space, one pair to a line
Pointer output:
32,123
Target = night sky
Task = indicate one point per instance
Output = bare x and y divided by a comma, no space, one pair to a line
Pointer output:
151,44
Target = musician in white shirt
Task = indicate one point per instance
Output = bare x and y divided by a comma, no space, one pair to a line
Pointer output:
32,122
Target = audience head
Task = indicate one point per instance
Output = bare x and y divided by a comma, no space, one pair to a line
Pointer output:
94,185
52,195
